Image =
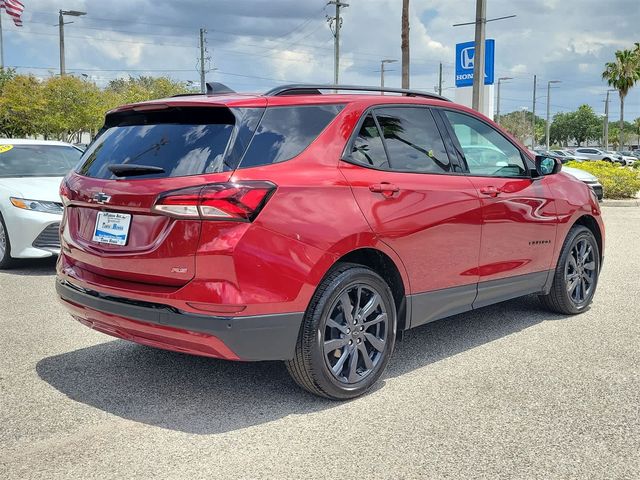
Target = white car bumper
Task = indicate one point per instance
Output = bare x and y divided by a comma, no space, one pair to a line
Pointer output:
32,234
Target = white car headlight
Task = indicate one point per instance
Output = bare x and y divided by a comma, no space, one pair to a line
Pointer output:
37,205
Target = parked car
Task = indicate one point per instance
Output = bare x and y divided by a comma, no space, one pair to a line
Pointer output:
631,153
569,156
30,206
627,160
588,179
314,227
616,157
596,154
564,158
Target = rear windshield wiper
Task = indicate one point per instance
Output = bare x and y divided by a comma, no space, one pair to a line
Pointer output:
130,170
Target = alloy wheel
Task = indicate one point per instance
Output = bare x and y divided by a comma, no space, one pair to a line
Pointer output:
580,271
355,333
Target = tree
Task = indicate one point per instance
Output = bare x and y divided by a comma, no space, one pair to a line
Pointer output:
72,106
139,89
585,125
6,74
636,130
622,74
22,107
405,43
560,129
519,124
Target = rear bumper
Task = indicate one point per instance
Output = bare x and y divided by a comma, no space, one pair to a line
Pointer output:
249,338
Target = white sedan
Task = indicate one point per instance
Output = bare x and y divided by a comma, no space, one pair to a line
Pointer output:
30,206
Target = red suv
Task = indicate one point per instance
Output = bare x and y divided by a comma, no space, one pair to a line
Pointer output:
314,227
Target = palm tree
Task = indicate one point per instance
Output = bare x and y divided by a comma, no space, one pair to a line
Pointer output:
622,75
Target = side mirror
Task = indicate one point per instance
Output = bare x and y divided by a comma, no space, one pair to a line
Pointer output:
547,165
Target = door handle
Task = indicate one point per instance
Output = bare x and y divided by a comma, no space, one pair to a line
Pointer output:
490,191
385,188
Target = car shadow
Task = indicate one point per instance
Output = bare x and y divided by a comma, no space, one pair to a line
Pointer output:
206,396
40,267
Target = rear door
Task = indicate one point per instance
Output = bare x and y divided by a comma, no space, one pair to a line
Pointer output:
419,205
179,148
518,212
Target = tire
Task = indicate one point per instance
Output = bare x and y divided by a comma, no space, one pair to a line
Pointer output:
5,247
571,274
328,372
607,160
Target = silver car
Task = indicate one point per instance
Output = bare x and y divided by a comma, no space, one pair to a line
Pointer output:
587,178
596,154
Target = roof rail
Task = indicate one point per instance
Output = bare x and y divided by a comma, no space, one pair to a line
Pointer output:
315,89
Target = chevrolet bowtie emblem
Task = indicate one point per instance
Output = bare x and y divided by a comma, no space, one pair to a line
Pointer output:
101,198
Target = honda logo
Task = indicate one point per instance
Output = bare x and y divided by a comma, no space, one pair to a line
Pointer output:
101,198
466,58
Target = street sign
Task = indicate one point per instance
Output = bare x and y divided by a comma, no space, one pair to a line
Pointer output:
465,59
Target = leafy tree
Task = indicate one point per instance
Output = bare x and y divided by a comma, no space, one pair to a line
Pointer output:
72,105
139,89
622,74
21,107
560,130
6,75
636,130
520,125
584,125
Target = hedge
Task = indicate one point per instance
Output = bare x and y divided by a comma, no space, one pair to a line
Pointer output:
617,181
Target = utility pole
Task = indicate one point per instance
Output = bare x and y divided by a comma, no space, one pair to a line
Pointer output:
61,32
533,135
335,23
404,36
477,102
440,80
61,23
500,80
203,87
548,110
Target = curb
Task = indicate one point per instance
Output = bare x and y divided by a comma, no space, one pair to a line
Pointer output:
620,203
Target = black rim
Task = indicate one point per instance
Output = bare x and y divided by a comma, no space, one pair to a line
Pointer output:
580,271
355,333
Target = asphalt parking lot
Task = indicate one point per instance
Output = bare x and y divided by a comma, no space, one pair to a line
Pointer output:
509,391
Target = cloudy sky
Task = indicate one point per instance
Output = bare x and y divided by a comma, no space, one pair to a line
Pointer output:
257,44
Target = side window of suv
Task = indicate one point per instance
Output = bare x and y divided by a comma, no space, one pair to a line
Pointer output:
412,140
487,151
367,147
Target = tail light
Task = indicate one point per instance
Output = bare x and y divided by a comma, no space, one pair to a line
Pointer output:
65,193
217,201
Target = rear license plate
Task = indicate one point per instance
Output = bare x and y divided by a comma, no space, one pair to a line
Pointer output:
112,228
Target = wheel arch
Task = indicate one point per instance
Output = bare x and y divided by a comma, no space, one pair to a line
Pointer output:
591,223
385,266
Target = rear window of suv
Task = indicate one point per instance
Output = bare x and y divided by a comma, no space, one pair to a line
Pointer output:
193,141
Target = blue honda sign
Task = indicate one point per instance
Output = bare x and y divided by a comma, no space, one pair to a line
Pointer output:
465,56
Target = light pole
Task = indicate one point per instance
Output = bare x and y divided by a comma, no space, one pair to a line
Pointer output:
548,109
61,15
606,119
524,123
382,62
501,79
